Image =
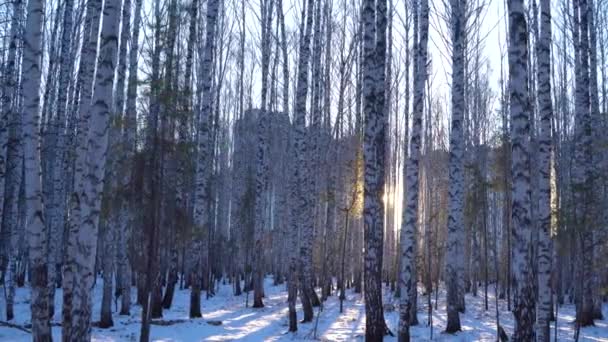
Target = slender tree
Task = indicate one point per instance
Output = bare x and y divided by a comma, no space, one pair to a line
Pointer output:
203,160
374,139
455,249
35,228
543,51
94,171
298,197
520,161
409,224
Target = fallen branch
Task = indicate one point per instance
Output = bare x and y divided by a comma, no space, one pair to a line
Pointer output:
168,322
15,326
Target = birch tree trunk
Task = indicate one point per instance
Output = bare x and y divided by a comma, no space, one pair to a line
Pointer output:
582,167
201,196
129,136
407,280
545,245
262,170
123,284
94,171
520,161
35,225
298,197
455,249
71,303
11,177
598,158
57,206
374,139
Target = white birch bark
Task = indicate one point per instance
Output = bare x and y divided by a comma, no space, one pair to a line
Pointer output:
308,173
94,171
129,136
545,245
71,303
57,208
407,282
35,225
262,169
128,128
520,137
374,139
298,197
201,195
454,248
598,158
11,135
582,166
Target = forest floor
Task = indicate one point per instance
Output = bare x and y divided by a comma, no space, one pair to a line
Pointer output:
270,323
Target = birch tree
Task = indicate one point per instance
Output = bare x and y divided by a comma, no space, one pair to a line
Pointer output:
298,197
71,302
97,145
262,168
598,158
127,139
582,168
201,195
455,249
35,226
407,281
374,138
11,180
57,206
545,253
520,161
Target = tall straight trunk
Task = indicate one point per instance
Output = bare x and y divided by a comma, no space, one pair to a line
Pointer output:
11,224
292,237
94,171
330,211
374,140
201,197
167,175
123,283
455,249
406,126
184,124
35,228
407,279
262,162
520,152
582,168
414,293
11,178
545,245
56,208
71,302
129,137
149,268
299,199
598,158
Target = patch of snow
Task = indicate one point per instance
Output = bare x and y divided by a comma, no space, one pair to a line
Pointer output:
271,323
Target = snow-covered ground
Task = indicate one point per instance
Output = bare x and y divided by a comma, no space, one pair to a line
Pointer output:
270,323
